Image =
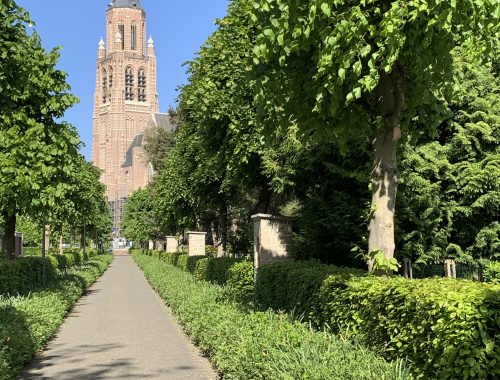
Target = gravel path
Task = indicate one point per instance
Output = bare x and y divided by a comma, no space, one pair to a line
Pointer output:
120,330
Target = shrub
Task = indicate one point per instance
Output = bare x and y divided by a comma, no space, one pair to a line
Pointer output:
256,345
491,272
447,328
27,322
32,251
23,274
241,280
182,261
214,270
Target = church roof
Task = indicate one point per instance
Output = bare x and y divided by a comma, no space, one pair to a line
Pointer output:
125,4
163,120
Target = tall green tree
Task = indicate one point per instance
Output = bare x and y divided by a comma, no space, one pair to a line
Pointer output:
450,191
344,70
37,150
217,159
138,220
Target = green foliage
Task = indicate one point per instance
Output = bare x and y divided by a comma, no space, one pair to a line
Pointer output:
491,272
32,251
319,62
214,270
21,275
182,262
158,142
450,194
31,230
381,264
38,152
138,220
28,322
249,345
241,280
446,328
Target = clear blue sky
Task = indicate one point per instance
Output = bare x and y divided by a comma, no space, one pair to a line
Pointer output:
178,27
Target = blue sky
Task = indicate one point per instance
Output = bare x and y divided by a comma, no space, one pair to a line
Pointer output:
178,27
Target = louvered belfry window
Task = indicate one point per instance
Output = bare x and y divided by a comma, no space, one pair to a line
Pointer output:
129,84
141,80
104,85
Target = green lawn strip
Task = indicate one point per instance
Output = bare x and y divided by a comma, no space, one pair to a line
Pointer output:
259,345
27,322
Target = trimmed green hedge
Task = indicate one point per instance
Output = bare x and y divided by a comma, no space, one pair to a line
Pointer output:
255,345
28,322
448,329
21,275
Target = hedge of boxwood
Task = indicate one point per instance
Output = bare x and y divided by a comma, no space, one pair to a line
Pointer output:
246,345
222,270
23,274
448,329
27,322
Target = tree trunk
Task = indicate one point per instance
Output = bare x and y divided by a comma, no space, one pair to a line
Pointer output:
47,238
223,229
9,239
385,174
264,200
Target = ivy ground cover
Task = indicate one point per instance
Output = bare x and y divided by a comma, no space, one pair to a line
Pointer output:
258,345
28,322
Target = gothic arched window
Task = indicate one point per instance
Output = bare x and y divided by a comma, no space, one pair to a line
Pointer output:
104,85
129,84
110,80
110,77
141,81
133,36
121,30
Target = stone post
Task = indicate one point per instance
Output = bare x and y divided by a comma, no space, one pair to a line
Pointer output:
450,269
408,271
172,244
151,245
160,245
196,243
272,237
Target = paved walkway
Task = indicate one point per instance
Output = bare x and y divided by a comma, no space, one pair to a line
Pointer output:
120,330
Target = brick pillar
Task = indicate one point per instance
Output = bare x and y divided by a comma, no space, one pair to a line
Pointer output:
272,237
196,243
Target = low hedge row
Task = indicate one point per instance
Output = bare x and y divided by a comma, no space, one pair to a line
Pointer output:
28,322
448,329
222,270
23,274
259,345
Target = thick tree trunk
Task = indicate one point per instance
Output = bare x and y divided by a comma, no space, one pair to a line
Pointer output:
9,239
385,174
385,178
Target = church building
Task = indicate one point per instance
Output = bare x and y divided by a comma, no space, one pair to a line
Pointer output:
125,104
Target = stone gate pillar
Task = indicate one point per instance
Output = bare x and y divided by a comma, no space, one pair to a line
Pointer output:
196,243
171,243
272,238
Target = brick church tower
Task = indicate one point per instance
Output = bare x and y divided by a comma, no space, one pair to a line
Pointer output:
125,103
